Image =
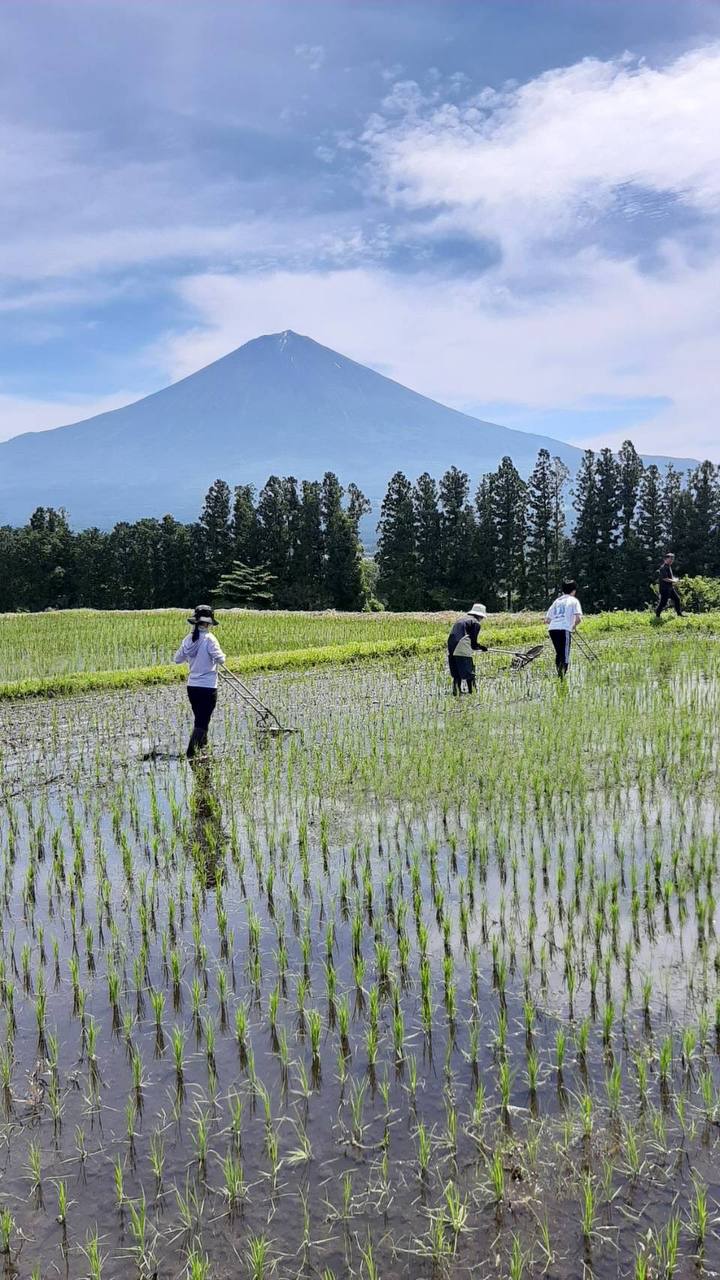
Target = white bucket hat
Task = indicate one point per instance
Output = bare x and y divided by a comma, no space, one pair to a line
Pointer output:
478,611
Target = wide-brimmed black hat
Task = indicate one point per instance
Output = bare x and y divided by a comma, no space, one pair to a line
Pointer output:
203,613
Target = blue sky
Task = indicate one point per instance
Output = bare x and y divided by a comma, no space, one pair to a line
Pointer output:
510,205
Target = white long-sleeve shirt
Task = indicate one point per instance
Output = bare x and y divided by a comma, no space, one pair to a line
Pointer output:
203,656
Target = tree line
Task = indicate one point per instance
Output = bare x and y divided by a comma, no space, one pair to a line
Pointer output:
512,541
297,545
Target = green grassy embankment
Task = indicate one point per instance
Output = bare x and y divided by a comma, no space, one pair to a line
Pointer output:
505,634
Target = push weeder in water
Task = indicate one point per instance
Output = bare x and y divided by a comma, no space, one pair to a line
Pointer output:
267,721
521,658
585,647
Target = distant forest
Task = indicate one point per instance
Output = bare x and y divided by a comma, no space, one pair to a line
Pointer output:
297,545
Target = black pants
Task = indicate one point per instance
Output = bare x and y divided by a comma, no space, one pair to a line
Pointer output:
666,595
562,641
202,702
461,669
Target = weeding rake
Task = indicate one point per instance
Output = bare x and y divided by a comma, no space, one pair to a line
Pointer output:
585,647
267,721
521,658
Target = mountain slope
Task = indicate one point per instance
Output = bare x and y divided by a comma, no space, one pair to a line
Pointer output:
281,403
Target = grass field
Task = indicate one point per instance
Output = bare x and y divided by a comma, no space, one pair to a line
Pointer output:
429,989
62,652
77,640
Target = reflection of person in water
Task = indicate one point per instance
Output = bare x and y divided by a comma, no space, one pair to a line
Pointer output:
207,836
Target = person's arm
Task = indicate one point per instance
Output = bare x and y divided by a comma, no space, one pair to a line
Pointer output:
181,655
578,615
474,641
217,653
548,615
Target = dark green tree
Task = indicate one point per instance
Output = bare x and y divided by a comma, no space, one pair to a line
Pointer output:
248,586
309,584
357,505
508,506
244,523
584,550
607,471
427,542
277,511
648,528
216,533
458,540
396,551
701,546
675,511
560,477
544,514
631,564
485,544
343,576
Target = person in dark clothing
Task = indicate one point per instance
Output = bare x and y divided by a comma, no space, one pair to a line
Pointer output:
667,584
462,644
203,655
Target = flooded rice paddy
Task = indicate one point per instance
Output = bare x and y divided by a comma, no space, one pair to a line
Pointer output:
430,988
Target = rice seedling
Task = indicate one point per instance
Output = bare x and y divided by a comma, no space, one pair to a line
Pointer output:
478,908
7,1227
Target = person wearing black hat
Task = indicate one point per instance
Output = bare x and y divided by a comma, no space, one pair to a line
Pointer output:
203,655
462,644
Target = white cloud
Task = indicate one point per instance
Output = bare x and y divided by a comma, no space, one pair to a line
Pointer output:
312,54
534,160
19,414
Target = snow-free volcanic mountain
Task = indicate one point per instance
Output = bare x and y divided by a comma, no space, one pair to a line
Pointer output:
281,404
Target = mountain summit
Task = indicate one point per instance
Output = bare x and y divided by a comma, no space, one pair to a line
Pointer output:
279,404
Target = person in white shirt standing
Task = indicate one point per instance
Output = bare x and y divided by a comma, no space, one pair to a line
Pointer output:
563,616
203,654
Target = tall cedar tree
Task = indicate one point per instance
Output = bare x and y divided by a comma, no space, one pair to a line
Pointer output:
458,543
632,581
244,524
508,505
648,525
605,583
701,548
343,554
276,524
428,550
216,534
396,552
583,558
309,569
560,477
485,544
675,513
545,528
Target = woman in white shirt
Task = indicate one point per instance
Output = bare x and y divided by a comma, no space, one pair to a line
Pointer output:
203,654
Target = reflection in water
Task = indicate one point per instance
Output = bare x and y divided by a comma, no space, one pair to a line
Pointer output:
207,836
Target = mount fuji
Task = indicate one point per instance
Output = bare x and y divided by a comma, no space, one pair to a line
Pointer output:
280,404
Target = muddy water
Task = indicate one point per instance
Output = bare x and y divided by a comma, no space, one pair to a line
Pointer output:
238,886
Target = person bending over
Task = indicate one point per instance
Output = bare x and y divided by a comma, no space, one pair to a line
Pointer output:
203,655
563,616
462,644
